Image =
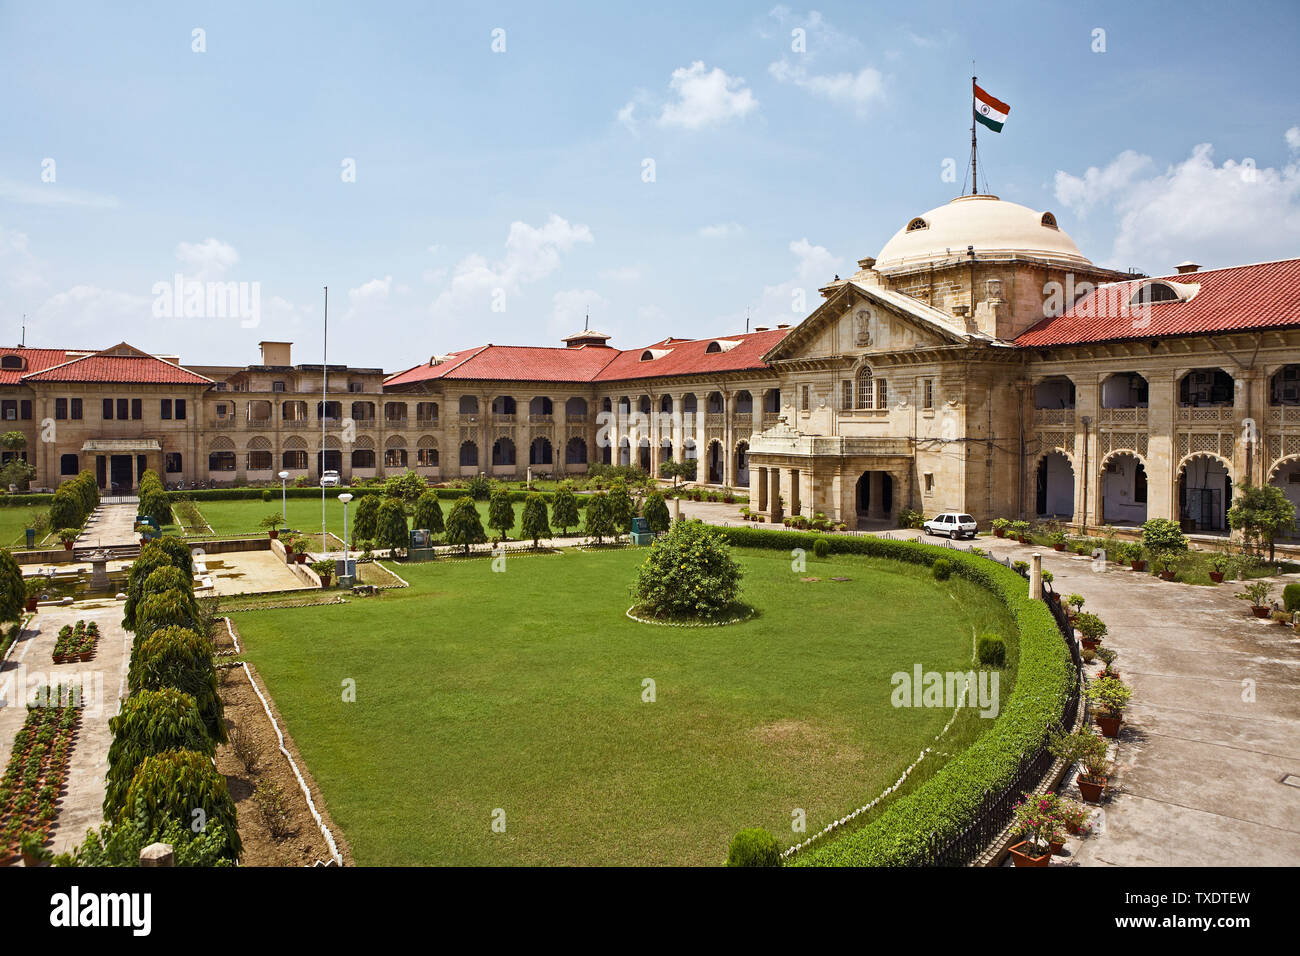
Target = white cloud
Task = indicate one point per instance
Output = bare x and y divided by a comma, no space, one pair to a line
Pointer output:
369,299
1292,137
706,97
1216,214
621,274
722,230
49,194
18,267
860,90
207,259
531,253
814,267
626,117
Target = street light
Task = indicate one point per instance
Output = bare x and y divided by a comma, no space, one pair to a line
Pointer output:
284,499
345,498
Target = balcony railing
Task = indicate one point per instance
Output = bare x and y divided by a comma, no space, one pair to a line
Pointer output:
1053,416
1215,414
770,419
540,419
504,418
395,422
426,421
1123,416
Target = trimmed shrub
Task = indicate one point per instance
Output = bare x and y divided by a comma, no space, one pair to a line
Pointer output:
464,527
534,523
479,487
406,488
599,521
656,513
177,550
366,522
390,528
172,785
501,514
180,658
689,573
564,509
991,650
162,609
822,548
754,847
941,569
1291,597
428,513
621,509
151,722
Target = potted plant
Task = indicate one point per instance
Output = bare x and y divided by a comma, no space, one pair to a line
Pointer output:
1219,564
272,524
32,846
33,587
324,569
1075,602
1075,817
1110,697
1021,530
1107,656
1021,568
1090,627
1136,556
299,550
1058,540
1256,592
1000,526
69,537
1037,822
1088,750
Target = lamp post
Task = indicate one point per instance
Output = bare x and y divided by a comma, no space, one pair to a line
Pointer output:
284,497
345,498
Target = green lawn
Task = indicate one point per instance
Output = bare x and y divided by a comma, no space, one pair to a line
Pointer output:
522,691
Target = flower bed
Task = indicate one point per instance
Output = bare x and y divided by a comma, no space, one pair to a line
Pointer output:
908,832
38,768
76,643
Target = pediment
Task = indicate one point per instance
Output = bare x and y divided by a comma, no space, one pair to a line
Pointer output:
861,320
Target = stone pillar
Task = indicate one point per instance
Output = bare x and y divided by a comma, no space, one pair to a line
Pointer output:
758,478
1035,577
728,441
656,438
1162,454
158,854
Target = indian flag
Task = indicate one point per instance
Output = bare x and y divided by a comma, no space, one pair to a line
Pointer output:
989,111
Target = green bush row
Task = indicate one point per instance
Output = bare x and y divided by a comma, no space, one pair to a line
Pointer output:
946,804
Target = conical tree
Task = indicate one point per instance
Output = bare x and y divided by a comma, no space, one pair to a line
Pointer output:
534,521
501,513
463,524
564,509
428,513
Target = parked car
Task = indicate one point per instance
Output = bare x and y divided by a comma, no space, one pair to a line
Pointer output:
330,479
954,524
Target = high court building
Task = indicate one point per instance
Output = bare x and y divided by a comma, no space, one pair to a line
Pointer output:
980,362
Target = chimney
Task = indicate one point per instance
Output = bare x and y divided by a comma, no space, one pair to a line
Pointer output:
275,353
760,328
784,325
1184,268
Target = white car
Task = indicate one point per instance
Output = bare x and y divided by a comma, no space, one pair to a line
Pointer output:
330,479
954,524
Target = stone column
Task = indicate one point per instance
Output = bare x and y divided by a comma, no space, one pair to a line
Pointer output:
728,441
1036,577
655,438
1162,454
758,478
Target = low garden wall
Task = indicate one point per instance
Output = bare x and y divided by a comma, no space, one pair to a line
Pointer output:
932,825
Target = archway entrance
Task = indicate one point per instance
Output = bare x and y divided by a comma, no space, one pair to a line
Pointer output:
1286,476
875,495
715,462
1123,490
1055,487
1204,494
742,465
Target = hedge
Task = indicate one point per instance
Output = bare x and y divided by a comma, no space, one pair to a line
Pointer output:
946,804
255,494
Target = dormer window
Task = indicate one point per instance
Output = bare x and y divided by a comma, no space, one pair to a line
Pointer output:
1049,221
721,345
13,362
1153,292
917,223
649,355
713,347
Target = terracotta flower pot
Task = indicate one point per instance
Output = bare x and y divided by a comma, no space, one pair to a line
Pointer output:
999,532
1023,858
1139,565
1168,575
31,603
1216,577
1089,643
1092,789
274,534
1058,847
1058,547
1109,725
1261,611
67,545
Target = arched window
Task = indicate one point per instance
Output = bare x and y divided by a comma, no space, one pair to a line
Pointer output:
1154,292
713,347
468,455
866,390
917,223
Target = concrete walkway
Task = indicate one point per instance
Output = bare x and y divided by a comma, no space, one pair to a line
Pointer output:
109,526
1213,727
30,664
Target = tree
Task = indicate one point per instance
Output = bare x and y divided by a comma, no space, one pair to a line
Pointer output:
367,518
534,521
149,723
501,513
18,473
564,508
1163,538
689,572
390,527
621,509
600,524
180,658
655,512
463,524
1261,513
678,469
407,487
13,592
428,512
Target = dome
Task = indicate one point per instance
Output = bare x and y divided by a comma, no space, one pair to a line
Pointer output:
992,226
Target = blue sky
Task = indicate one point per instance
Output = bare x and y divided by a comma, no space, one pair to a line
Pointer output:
499,195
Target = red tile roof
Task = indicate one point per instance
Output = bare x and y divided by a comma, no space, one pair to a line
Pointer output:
34,360
594,363
118,365
1242,298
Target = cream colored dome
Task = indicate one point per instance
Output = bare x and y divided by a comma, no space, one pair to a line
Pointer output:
992,226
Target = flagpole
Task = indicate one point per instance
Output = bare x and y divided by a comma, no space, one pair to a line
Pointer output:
974,156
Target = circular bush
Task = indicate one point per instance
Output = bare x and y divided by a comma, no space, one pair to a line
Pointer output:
151,722
942,569
991,650
754,847
180,658
266,494
182,786
689,573
822,548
